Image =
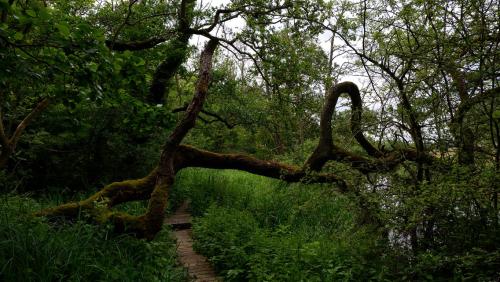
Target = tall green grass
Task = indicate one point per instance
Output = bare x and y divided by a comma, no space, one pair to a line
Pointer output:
33,250
259,229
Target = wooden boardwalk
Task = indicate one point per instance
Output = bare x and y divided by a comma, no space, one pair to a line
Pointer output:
199,269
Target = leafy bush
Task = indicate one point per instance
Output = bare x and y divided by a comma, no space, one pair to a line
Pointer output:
89,144
455,222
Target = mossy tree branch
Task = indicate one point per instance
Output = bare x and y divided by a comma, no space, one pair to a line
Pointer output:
155,186
176,157
136,45
176,54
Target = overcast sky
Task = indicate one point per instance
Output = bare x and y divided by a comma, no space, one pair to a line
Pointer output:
323,41
236,24
239,22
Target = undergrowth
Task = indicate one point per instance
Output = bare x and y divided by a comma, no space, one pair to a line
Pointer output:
33,250
254,228
259,229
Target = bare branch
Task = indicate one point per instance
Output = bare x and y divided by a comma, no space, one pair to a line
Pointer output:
125,22
217,117
27,120
219,12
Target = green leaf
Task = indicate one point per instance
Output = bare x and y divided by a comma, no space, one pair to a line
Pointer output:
496,114
93,67
63,29
127,54
18,36
43,14
31,13
141,62
117,67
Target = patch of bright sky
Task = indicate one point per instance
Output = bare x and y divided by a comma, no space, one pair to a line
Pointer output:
324,40
238,23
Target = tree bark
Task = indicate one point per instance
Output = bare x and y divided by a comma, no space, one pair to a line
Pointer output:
175,157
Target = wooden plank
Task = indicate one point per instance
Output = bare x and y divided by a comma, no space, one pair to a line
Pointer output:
197,265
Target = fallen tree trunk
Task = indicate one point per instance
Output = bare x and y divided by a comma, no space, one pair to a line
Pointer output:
156,185
175,157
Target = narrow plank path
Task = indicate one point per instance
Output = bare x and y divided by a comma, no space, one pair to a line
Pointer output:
197,265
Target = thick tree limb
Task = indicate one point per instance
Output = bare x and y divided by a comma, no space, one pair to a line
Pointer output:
175,55
188,156
135,45
356,110
155,186
176,157
201,92
462,132
110,196
327,150
154,216
463,108
27,120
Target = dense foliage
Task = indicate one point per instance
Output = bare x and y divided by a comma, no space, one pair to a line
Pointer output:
90,91
257,229
265,230
33,250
